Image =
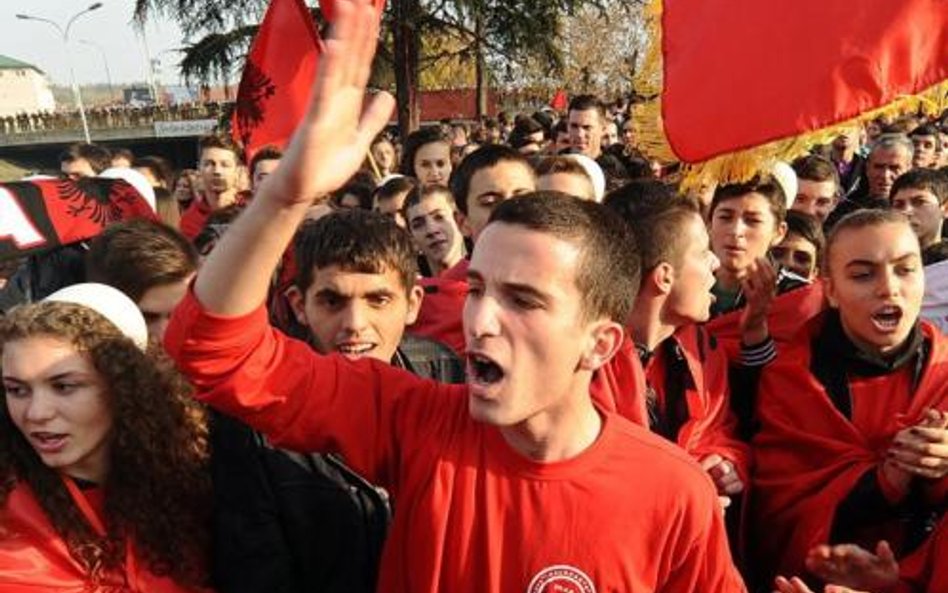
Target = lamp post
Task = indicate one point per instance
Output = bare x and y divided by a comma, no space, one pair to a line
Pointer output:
105,62
72,74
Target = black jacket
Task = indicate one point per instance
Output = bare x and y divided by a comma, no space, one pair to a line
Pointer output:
287,522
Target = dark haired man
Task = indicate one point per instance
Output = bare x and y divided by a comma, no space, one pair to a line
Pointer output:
922,195
302,523
430,216
514,482
801,248
687,373
925,140
219,167
485,178
264,162
817,186
84,160
587,121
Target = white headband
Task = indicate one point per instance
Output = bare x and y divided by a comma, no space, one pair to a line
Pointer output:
110,303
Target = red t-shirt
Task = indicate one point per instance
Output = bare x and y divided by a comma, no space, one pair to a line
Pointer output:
630,513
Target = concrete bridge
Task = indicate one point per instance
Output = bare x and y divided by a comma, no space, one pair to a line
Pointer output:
35,140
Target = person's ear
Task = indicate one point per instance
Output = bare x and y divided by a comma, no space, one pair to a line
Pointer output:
605,338
662,277
829,289
296,299
461,219
780,234
415,297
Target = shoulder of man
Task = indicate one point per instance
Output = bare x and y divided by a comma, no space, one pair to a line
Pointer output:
430,359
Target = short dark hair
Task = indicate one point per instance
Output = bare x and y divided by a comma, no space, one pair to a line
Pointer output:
587,102
137,255
419,193
394,187
123,153
639,195
98,157
222,142
215,226
361,185
932,180
656,216
484,157
807,227
358,241
763,184
860,219
267,153
608,272
816,168
413,144
524,128
926,129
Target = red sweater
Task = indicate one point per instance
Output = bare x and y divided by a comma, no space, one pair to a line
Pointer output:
709,428
809,456
472,514
442,309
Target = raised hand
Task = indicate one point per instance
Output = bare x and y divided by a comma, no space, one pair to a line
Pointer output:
327,148
853,566
332,140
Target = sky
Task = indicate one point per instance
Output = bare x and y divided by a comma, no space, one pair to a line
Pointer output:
108,27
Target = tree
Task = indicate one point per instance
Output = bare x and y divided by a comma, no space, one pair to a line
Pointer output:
420,39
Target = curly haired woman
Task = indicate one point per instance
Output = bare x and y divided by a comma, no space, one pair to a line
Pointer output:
102,453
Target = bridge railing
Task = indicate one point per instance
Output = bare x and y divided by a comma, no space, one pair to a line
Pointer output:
111,118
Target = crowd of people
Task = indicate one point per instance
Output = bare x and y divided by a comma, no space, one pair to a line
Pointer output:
514,356
110,116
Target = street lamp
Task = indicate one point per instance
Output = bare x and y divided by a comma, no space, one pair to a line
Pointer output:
72,73
105,62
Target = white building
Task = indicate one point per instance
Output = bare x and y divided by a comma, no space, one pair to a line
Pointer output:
23,88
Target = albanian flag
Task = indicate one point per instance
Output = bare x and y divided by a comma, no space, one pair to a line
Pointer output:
275,87
42,214
737,83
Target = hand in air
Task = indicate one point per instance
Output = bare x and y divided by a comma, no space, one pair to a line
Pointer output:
331,142
795,585
759,288
922,449
853,566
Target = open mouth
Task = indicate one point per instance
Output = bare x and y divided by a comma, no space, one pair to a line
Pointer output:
48,442
355,349
887,318
483,370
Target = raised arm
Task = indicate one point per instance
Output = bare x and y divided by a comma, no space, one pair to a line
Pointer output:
326,150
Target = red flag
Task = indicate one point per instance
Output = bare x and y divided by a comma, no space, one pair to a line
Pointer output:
559,102
275,87
42,214
329,8
739,75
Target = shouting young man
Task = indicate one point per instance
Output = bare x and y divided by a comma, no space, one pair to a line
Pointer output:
513,482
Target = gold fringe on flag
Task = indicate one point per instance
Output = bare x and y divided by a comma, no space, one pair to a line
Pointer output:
743,164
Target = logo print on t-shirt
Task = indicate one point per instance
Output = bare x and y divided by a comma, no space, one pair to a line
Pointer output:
561,579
